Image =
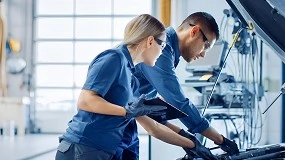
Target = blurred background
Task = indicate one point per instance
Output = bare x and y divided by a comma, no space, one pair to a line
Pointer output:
47,46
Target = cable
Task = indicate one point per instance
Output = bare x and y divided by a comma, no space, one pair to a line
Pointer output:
234,124
224,62
272,103
258,112
221,26
239,67
282,91
253,127
259,138
226,127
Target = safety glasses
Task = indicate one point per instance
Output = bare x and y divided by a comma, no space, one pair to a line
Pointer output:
160,42
207,44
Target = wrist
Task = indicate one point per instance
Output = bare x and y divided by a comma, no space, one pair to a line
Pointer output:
190,144
182,133
219,140
124,111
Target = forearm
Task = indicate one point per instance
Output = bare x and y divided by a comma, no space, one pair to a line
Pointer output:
173,127
163,133
212,134
92,102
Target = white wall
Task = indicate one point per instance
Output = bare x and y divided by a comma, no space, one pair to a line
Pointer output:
19,21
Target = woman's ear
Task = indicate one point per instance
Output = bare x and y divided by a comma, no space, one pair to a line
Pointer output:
150,41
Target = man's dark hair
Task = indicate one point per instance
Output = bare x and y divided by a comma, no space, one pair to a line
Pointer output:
205,20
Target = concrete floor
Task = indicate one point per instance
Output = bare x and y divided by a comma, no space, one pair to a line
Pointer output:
34,147
42,147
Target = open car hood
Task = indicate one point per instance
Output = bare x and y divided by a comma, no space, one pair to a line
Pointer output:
268,18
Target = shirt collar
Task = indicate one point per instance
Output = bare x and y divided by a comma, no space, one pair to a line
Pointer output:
172,39
127,54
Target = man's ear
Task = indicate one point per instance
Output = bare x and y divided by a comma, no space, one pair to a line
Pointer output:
194,31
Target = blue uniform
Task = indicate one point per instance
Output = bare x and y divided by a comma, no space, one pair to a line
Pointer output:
129,146
162,79
110,75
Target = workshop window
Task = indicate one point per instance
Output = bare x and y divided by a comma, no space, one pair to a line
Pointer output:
68,34
54,28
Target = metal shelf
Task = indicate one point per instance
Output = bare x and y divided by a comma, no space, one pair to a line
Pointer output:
197,84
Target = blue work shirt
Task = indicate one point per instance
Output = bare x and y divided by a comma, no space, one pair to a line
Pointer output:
129,146
162,79
110,75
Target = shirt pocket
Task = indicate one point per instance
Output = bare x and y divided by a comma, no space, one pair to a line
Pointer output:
64,146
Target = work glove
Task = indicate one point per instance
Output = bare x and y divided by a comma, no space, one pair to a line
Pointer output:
138,108
199,151
229,146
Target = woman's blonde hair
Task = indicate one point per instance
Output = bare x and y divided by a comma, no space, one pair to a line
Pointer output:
140,28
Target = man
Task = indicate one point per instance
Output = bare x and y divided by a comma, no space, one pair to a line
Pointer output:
192,39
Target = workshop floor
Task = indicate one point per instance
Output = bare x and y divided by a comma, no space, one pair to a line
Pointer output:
42,147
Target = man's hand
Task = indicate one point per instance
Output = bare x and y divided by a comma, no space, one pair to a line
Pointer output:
229,146
138,108
199,150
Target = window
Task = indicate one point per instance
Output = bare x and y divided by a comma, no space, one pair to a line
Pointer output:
68,34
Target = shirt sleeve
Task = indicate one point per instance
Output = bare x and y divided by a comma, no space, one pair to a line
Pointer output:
163,78
102,73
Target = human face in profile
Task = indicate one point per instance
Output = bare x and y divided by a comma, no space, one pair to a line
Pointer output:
197,44
156,45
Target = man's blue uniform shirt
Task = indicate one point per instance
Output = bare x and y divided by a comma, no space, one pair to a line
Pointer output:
162,79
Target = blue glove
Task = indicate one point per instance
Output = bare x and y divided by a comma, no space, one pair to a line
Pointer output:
138,108
199,151
229,146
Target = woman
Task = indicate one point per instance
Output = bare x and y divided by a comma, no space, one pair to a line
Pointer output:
108,101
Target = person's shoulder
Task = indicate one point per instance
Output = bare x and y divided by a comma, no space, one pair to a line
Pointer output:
171,40
112,53
170,31
109,56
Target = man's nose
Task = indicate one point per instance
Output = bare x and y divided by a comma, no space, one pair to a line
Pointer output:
202,54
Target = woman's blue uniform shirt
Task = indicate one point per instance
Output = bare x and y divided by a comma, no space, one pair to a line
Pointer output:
110,75
162,79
